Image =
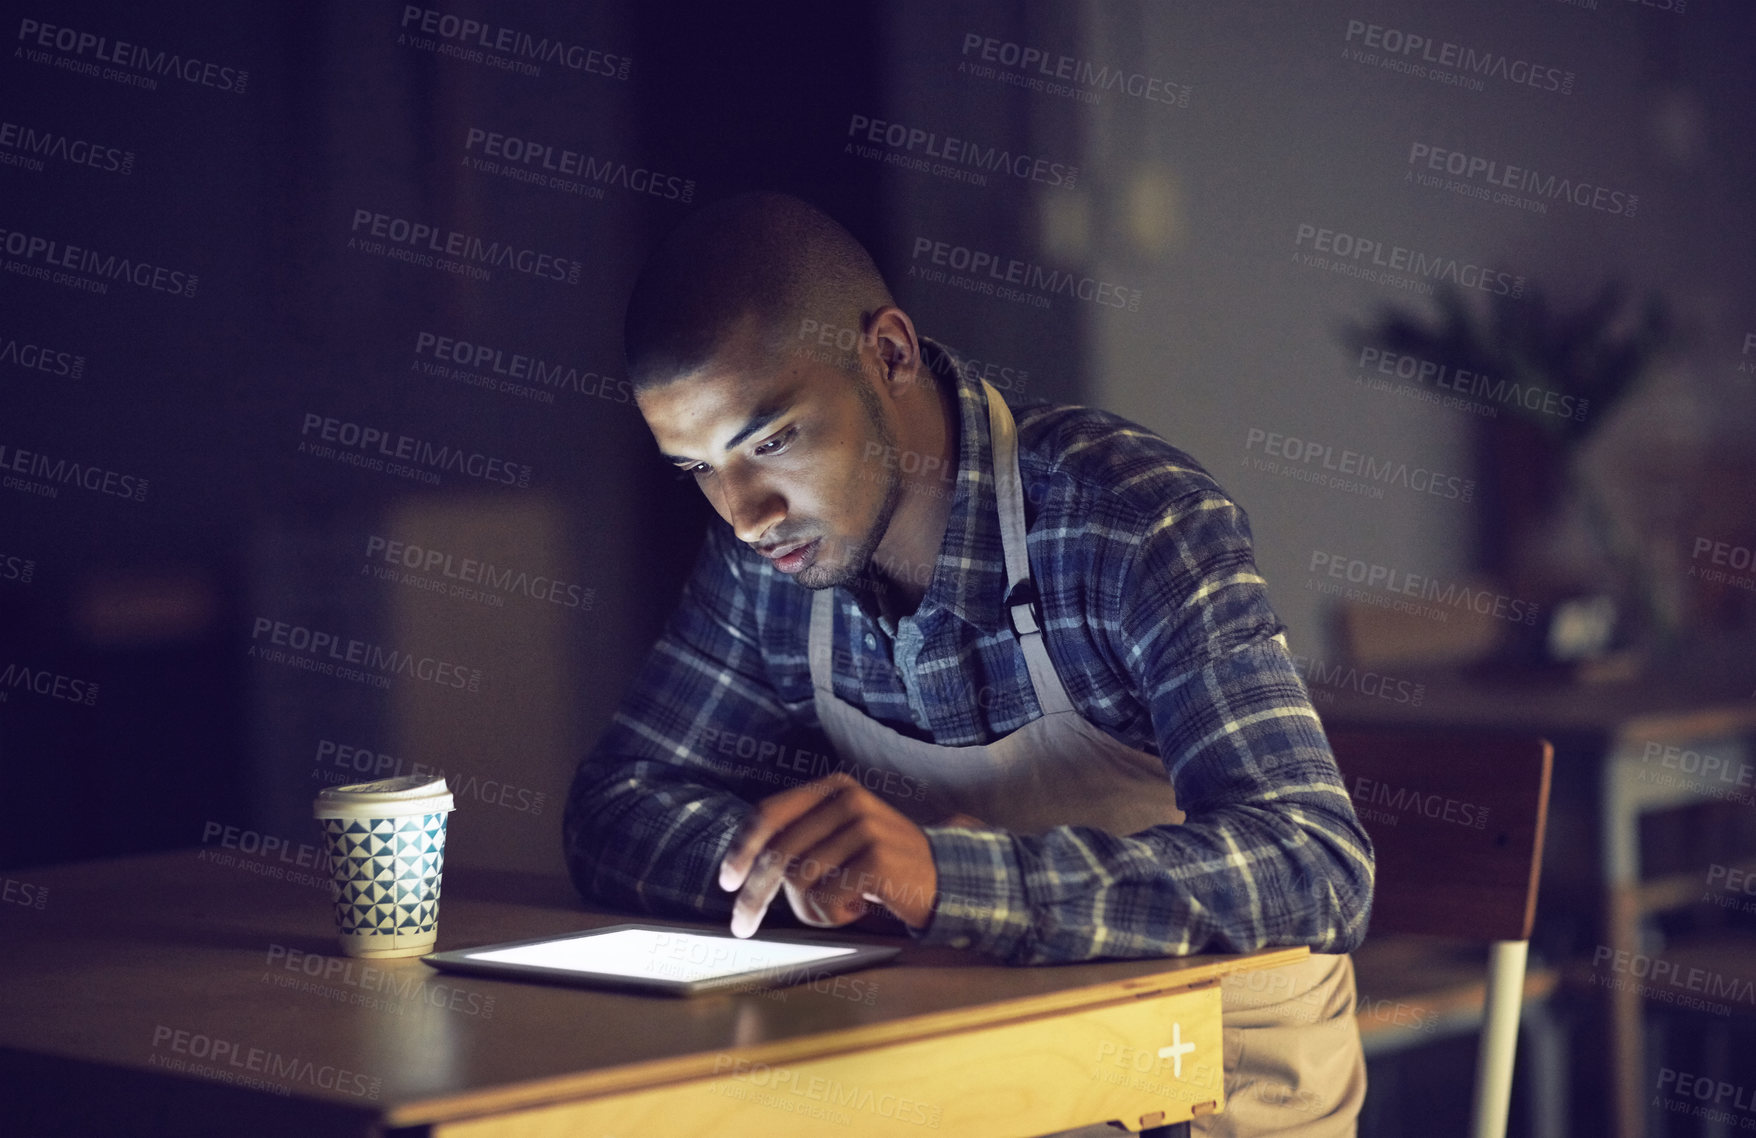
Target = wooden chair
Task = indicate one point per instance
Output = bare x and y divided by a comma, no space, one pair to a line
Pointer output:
1646,779
1457,823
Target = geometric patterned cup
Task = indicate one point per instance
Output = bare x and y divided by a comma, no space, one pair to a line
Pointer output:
386,843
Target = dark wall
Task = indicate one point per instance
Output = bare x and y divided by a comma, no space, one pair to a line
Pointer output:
158,612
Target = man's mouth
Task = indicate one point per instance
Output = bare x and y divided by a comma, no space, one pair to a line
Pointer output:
789,559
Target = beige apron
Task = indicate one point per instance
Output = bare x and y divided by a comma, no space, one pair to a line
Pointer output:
1293,1063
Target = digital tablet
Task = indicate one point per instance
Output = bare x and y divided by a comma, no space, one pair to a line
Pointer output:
668,961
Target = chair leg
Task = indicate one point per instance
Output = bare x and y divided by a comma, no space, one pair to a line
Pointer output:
1716,1055
1544,1047
1628,1023
1499,1043
1655,1041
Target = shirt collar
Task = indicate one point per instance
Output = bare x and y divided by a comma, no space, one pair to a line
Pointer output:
969,576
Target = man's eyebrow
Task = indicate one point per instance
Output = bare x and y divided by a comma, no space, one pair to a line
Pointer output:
762,418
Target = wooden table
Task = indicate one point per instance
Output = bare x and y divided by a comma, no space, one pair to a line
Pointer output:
200,992
1602,733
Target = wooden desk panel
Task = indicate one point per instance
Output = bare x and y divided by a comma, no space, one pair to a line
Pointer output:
137,963
1046,1073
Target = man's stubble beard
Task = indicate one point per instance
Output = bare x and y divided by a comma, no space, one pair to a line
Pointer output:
859,559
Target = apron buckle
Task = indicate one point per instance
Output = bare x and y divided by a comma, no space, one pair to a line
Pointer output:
1023,609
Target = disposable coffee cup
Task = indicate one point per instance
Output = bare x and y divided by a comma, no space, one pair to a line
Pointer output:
386,843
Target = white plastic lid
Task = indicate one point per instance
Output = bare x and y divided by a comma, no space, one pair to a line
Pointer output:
388,797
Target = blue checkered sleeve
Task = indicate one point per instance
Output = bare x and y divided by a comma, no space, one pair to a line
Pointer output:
652,809
1271,852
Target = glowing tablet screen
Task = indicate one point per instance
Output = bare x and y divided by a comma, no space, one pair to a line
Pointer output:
662,955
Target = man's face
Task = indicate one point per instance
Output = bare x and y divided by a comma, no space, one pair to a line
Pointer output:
782,445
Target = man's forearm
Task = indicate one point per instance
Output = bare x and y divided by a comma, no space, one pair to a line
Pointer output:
1077,894
643,835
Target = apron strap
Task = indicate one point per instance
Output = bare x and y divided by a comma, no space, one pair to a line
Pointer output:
1021,593
1022,605
820,643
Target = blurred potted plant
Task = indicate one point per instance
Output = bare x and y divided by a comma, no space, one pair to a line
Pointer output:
1554,376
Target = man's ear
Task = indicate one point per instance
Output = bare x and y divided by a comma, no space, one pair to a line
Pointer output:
893,339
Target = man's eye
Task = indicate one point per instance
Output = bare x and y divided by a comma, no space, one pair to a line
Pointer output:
779,442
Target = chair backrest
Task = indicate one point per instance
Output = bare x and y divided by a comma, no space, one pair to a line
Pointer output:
1456,819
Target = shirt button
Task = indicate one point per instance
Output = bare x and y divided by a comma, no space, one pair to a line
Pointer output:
959,942
871,641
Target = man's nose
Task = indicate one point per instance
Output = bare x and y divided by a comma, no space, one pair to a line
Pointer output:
751,508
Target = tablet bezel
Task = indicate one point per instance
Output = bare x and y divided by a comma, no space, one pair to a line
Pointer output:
779,976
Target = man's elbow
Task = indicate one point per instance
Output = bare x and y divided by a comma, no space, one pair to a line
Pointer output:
587,819
576,852
1348,931
1348,908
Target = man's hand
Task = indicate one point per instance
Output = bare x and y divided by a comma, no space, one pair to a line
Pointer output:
835,847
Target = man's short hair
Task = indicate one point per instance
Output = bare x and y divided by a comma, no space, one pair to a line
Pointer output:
765,261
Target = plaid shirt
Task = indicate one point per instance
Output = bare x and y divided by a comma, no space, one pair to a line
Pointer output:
1161,632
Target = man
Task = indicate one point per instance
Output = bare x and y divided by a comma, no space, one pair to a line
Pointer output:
1035,655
